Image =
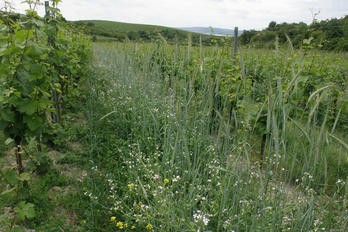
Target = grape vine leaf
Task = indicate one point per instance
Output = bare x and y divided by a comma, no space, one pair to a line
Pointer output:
34,122
25,210
28,107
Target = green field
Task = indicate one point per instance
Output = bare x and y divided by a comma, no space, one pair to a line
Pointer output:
154,136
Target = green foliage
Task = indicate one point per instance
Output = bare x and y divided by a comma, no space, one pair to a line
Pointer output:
41,64
24,210
331,34
43,163
37,58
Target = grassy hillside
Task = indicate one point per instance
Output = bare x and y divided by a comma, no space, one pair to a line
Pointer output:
141,32
100,26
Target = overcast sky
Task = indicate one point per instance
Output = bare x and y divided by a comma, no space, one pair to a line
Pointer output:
246,14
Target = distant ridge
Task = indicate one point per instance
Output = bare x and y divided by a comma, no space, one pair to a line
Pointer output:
211,31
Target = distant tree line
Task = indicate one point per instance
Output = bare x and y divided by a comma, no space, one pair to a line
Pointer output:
331,34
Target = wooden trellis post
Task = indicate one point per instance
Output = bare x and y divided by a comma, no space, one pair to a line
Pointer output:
235,45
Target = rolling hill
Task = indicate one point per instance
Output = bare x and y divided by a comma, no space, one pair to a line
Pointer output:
140,32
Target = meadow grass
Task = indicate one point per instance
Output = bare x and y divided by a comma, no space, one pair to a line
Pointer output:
174,137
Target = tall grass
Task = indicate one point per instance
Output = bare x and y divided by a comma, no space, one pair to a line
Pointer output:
175,137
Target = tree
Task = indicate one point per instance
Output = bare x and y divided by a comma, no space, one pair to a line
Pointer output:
247,36
272,26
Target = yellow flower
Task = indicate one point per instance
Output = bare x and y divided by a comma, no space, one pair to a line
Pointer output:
113,218
133,228
149,226
131,186
165,181
120,225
